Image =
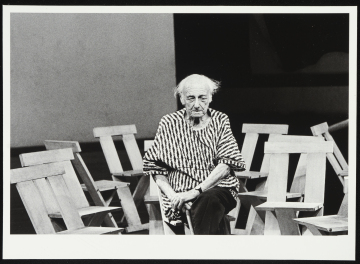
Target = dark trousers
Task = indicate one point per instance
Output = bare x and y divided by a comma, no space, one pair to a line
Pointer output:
208,212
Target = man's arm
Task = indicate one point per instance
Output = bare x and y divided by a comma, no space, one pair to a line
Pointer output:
220,171
176,199
164,185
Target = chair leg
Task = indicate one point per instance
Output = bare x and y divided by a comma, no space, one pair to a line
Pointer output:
271,224
188,217
140,190
287,225
109,220
304,229
255,222
57,226
156,225
235,213
128,205
315,231
97,219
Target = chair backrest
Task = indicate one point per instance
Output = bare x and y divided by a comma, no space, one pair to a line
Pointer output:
315,169
79,166
252,132
336,159
39,183
105,135
64,156
298,183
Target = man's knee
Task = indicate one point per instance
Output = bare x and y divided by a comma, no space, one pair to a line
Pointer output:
207,199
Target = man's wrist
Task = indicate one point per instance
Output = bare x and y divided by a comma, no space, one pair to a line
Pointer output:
198,188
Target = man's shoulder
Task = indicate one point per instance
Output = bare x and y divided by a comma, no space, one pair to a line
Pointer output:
218,115
173,117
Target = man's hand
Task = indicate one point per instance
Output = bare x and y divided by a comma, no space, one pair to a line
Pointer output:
178,200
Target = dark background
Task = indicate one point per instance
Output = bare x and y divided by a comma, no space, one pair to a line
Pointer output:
219,46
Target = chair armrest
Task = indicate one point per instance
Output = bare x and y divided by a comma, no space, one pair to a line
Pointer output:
105,185
297,206
148,199
89,211
129,173
250,174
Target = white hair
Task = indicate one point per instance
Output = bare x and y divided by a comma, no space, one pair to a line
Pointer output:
212,85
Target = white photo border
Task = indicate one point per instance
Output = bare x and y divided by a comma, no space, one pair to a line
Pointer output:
179,247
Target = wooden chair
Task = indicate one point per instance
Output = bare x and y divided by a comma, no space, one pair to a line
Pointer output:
92,215
156,225
105,135
97,189
252,132
43,186
255,225
329,224
279,213
336,159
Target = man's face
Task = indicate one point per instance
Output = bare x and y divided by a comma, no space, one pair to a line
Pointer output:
196,100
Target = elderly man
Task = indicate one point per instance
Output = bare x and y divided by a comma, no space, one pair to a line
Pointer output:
194,156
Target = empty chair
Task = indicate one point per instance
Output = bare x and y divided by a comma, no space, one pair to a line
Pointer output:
96,189
336,159
127,133
92,215
296,190
39,184
252,132
279,213
329,224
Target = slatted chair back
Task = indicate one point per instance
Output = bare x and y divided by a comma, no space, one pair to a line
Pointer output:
277,184
252,132
80,166
38,183
63,156
336,159
127,132
314,188
298,183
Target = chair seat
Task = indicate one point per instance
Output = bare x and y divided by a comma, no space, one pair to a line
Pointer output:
92,231
105,185
85,211
298,206
263,194
329,223
251,174
129,173
151,199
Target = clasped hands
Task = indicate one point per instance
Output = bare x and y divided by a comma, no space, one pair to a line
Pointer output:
182,201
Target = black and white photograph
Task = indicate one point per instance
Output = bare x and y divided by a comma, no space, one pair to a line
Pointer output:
187,132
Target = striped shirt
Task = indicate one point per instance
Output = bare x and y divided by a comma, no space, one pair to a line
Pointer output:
187,156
